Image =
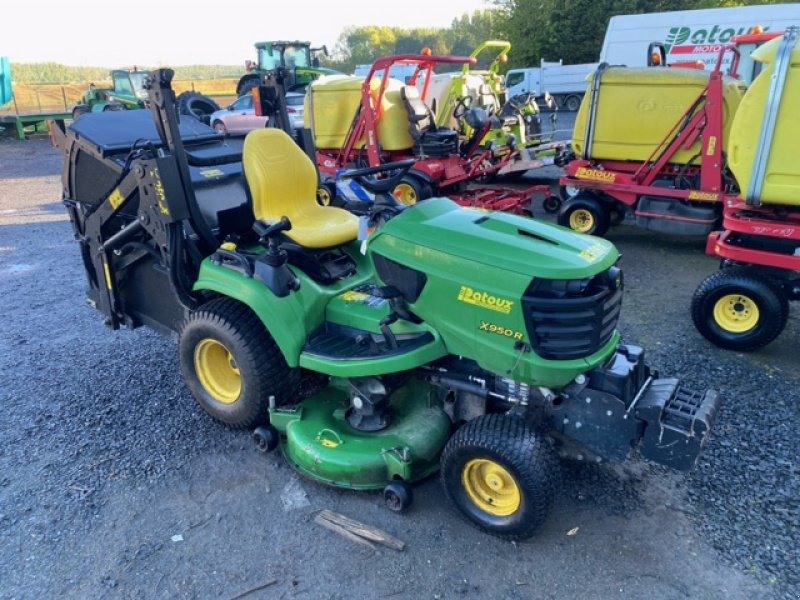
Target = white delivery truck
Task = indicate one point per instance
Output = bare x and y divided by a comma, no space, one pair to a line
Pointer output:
566,83
689,35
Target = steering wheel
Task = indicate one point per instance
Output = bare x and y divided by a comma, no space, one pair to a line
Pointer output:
520,100
462,106
380,186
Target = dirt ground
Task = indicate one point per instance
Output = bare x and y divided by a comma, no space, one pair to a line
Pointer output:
114,484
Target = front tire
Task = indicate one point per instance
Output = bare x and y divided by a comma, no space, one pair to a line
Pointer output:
584,213
220,128
232,365
411,189
500,475
737,309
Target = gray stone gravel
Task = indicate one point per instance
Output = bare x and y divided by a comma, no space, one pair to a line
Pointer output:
104,457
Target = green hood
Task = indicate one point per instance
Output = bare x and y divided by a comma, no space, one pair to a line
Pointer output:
509,242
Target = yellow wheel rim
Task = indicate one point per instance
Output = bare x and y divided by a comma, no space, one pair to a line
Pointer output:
491,487
324,196
217,371
581,220
405,193
736,313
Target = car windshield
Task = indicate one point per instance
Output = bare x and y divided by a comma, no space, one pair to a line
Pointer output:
295,100
243,103
138,79
294,56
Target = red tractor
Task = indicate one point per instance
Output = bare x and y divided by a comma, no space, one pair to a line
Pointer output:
365,122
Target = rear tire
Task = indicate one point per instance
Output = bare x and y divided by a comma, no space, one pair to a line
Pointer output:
738,309
79,111
572,103
232,365
196,105
584,213
500,475
247,84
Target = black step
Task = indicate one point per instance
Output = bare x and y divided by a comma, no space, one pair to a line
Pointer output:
345,343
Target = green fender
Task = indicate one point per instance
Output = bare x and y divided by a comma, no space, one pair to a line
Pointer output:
289,320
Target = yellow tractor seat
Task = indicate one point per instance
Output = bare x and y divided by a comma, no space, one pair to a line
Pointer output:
283,183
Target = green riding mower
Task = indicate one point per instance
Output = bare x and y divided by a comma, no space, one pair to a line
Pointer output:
479,344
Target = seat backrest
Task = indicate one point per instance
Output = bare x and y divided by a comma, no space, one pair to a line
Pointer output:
283,183
419,115
486,99
280,175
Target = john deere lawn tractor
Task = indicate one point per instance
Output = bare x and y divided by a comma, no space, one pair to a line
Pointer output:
482,345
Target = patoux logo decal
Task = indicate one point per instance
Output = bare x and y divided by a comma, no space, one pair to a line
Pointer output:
484,300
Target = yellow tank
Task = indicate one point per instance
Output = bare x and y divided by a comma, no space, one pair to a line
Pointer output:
334,101
639,106
782,176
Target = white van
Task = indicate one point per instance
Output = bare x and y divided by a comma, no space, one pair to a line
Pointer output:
689,35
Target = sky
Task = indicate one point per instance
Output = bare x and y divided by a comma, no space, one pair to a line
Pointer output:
114,33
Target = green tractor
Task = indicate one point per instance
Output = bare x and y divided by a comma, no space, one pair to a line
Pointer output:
481,345
128,93
299,59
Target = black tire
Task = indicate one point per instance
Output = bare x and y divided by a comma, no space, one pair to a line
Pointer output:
196,105
266,438
79,111
585,214
220,128
234,388
516,457
572,102
738,309
552,204
326,194
398,496
411,189
246,84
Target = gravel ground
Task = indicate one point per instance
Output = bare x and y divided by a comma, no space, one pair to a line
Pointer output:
113,483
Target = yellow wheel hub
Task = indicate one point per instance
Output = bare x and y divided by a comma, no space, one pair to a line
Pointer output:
736,313
405,193
217,371
581,220
491,487
324,196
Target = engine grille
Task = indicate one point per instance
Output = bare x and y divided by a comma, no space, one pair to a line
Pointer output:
569,319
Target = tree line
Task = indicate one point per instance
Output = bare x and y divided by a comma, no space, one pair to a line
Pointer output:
31,73
571,30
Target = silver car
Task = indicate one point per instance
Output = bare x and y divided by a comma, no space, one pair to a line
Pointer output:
237,119
240,117
294,106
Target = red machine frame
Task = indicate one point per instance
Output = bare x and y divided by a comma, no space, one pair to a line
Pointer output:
627,181
442,173
765,222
